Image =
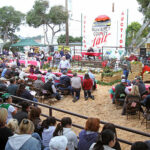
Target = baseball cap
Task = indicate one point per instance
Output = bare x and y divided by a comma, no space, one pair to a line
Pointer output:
123,81
50,78
6,95
58,143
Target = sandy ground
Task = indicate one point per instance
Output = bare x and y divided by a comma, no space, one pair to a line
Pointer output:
102,108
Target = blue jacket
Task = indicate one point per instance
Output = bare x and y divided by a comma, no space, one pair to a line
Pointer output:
22,142
86,139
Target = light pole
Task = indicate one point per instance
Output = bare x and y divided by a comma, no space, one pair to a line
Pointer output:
67,26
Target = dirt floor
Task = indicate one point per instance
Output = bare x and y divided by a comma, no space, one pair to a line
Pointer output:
102,108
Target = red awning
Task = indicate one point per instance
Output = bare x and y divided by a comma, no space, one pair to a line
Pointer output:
102,18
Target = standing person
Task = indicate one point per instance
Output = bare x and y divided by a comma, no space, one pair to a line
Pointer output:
5,132
64,64
23,140
91,75
76,87
64,128
62,52
68,56
42,59
12,88
125,72
57,57
126,62
87,87
7,105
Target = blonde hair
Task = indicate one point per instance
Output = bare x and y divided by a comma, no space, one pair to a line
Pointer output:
135,90
26,127
13,125
3,116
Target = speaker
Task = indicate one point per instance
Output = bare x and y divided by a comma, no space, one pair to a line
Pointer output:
142,52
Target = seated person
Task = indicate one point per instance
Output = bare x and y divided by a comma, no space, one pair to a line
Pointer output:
22,74
128,81
141,85
37,71
3,86
146,93
134,95
139,146
12,88
4,71
121,90
23,113
38,84
22,92
65,81
7,101
49,73
31,70
90,50
49,86
8,73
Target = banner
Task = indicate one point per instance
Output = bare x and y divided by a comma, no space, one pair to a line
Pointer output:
66,48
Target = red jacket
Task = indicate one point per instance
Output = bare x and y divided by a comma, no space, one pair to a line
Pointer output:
87,84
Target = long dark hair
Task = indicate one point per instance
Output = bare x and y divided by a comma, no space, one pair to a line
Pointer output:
20,89
64,122
104,138
86,76
50,121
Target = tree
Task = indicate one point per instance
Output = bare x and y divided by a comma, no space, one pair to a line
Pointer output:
132,29
52,18
144,7
62,39
10,20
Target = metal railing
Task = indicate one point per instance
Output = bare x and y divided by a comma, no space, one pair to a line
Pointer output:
83,117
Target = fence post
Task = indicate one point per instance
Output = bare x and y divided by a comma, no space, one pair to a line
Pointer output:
50,112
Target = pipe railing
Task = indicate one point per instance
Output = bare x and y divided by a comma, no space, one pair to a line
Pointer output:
83,117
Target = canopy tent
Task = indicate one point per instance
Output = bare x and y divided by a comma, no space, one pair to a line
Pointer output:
26,42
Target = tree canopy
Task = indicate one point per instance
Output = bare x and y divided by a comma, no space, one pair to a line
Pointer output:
144,7
10,20
132,29
42,14
62,39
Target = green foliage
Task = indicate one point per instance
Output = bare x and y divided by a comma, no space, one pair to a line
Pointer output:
132,30
62,39
144,8
110,84
10,20
37,16
57,15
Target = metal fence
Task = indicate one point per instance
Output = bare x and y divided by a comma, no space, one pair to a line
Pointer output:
83,117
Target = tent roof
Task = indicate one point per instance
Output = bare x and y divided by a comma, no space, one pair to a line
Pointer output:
26,42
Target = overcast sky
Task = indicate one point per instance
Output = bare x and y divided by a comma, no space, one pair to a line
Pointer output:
90,8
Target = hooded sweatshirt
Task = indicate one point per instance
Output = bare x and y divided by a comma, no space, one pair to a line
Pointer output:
22,142
47,134
71,137
86,139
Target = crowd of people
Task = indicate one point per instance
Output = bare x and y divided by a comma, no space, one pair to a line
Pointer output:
25,130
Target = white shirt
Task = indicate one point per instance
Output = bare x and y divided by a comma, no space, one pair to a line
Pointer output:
106,147
64,64
49,74
71,137
127,91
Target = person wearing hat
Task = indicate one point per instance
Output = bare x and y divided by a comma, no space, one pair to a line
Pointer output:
64,64
58,143
49,86
133,57
141,85
38,84
127,64
7,100
121,90
49,73
128,81
3,87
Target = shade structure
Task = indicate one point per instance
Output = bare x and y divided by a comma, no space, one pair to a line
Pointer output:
27,42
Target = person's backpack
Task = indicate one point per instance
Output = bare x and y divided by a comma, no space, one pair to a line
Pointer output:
6,106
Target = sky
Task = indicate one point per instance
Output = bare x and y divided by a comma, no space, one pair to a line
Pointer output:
89,8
